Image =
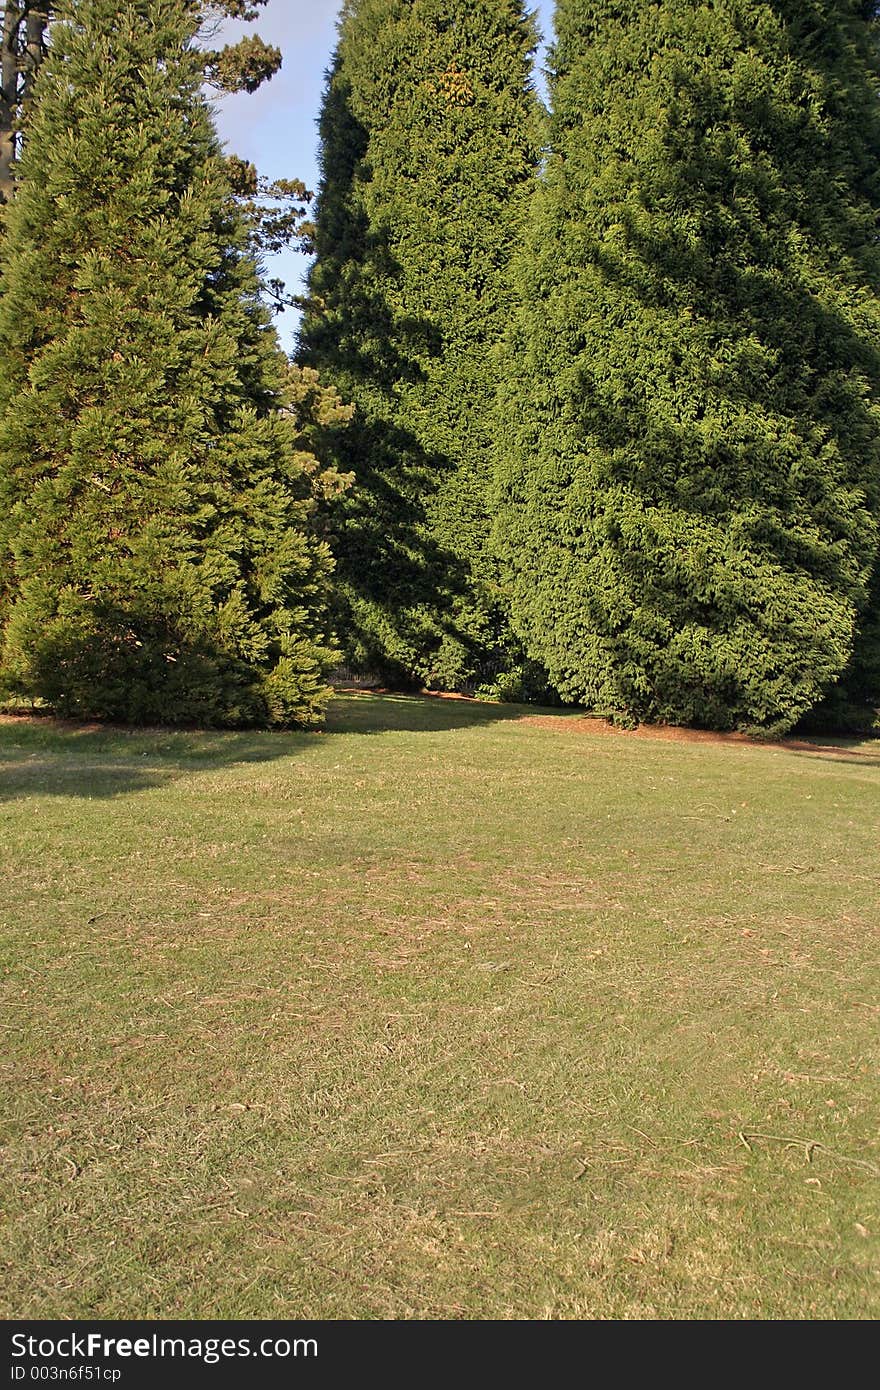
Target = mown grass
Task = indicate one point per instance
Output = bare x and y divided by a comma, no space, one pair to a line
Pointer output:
447,1012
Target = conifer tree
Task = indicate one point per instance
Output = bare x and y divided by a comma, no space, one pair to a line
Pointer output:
241,66
690,475
429,146
158,552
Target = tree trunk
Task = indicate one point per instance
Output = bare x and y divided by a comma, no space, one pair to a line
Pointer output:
9,69
35,43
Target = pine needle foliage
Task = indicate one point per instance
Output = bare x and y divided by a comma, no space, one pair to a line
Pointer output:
159,558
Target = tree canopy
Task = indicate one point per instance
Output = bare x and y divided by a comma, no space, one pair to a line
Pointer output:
429,145
689,479
159,551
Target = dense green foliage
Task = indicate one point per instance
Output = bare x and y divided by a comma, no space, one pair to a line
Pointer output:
690,470
241,66
429,147
158,558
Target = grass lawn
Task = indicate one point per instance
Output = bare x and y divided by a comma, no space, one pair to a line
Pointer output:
455,1010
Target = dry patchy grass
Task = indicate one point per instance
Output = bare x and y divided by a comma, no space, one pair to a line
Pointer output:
443,1013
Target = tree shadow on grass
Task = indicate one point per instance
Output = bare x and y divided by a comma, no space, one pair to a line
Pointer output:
94,762
51,757
848,753
367,712
380,712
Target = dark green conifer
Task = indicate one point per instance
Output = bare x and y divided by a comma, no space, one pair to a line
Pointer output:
429,146
158,557
690,475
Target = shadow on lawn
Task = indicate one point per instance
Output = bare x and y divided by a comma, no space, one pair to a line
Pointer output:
47,757
839,753
364,712
51,757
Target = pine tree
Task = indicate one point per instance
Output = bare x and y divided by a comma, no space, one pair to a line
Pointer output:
241,66
690,470
158,552
429,147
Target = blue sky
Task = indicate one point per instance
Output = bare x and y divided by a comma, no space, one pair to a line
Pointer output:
275,127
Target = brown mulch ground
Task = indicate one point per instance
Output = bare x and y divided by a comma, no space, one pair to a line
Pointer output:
589,724
592,724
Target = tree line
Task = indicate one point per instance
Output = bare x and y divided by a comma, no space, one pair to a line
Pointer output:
585,400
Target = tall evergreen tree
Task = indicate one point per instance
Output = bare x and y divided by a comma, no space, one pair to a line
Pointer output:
241,66
429,137
690,471
158,557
